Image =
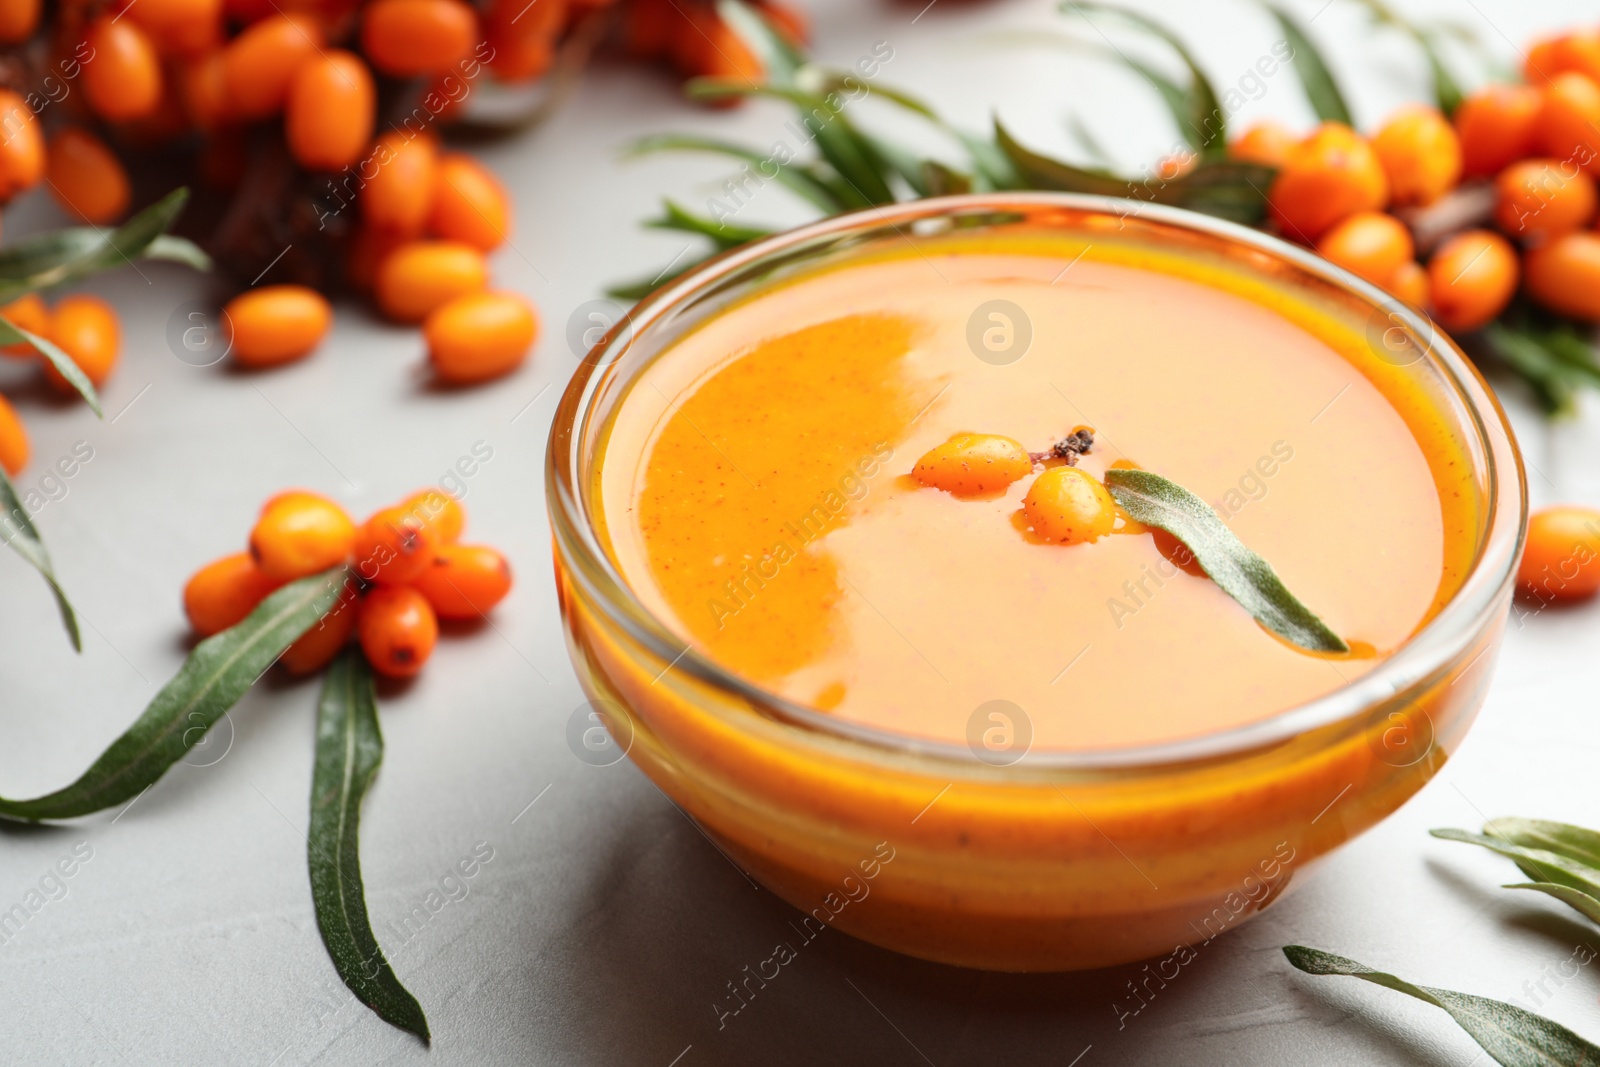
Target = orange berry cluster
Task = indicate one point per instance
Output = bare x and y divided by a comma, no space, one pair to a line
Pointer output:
84,327
409,571
1529,152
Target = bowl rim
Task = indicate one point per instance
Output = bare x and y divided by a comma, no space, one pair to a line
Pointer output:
1423,657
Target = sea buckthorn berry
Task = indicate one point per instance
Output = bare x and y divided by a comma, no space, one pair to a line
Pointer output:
469,204
1069,506
315,649
440,511
1329,176
18,20
1420,154
973,464
406,38
1562,558
86,178
1543,198
417,278
203,90
1370,245
398,630
647,31
1267,143
399,195
1564,275
1571,52
259,64
300,533
1471,278
464,581
791,22
705,45
14,447
480,336
276,324
85,328
1410,284
1497,127
367,251
1569,120
523,38
181,28
21,146
394,546
223,592
25,313
329,111
124,80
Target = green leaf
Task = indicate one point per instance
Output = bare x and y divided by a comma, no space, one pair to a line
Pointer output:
1447,91
1226,189
1537,863
1579,901
640,288
724,234
1512,1036
795,177
349,750
1564,839
216,674
67,255
780,59
1322,91
1554,380
1199,115
63,363
23,537
839,142
178,250
1239,572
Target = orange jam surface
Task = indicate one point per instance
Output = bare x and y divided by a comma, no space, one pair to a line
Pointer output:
754,489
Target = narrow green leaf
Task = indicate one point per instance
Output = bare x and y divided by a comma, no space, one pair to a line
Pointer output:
940,180
1564,839
23,537
67,255
178,250
781,60
1200,116
1224,188
63,363
839,142
1553,381
1239,572
1512,1036
726,235
1537,863
349,750
1576,899
1447,91
640,288
795,177
216,674
1322,90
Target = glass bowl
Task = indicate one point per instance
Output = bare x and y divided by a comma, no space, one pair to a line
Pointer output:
1061,860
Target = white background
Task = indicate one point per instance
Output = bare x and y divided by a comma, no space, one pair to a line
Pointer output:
606,926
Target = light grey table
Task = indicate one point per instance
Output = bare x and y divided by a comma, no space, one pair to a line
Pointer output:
605,926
